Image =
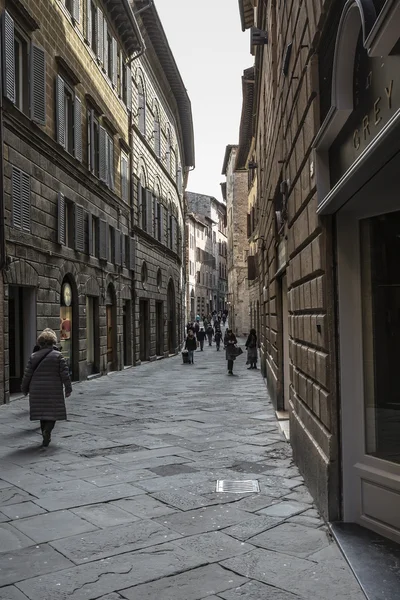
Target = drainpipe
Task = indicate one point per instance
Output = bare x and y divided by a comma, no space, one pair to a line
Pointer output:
3,260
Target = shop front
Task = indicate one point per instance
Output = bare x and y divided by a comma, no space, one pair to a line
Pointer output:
66,324
358,170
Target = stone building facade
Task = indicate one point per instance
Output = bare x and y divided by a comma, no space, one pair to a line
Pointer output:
325,140
207,260
235,192
73,251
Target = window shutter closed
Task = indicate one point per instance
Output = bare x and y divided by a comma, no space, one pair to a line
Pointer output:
124,178
114,62
162,228
123,249
76,10
8,53
26,201
103,154
174,234
168,230
60,111
38,85
90,234
16,198
105,43
117,248
149,212
89,32
132,254
102,240
155,217
78,129
61,218
128,88
110,162
100,36
79,228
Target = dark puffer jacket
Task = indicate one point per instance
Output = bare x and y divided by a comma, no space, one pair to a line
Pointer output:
45,385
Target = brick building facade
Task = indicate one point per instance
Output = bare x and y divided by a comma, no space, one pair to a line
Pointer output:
326,116
78,255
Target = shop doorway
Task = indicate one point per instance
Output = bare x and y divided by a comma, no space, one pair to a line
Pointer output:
111,317
69,325
368,247
159,328
171,309
127,325
144,322
92,335
21,331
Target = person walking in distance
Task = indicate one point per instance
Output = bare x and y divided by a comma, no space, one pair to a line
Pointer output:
210,333
230,344
251,346
218,338
45,378
196,328
190,346
201,337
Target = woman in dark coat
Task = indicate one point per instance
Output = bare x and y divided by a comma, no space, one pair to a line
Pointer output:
44,378
190,346
251,346
230,342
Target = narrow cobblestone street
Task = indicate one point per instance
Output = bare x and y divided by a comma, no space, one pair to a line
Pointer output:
123,503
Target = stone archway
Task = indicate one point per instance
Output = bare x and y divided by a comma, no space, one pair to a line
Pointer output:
171,317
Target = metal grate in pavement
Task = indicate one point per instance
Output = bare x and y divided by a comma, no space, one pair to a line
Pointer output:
238,487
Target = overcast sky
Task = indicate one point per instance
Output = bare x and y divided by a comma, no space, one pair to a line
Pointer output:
211,52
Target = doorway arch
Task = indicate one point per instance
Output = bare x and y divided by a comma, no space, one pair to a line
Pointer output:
69,324
111,318
171,316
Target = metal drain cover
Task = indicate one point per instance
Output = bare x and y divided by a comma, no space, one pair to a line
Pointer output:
238,487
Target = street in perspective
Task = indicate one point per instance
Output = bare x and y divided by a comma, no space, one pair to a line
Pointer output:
123,502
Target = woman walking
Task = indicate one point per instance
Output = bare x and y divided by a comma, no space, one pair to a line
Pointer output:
251,346
44,378
190,346
230,345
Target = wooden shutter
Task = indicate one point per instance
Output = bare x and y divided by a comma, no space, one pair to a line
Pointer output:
132,253
114,62
78,129
117,247
79,229
60,111
16,198
162,228
38,85
124,177
173,234
128,88
149,212
88,27
90,234
8,54
26,201
100,35
155,218
123,249
103,152
61,218
111,163
102,239
76,9
168,230
105,43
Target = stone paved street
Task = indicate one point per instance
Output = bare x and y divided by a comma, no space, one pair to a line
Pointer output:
123,502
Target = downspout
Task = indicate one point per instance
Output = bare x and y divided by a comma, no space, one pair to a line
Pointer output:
3,260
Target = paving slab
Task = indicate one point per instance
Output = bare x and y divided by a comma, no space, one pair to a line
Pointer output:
284,509
247,529
12,539
104,515
13,495
29,562
204,519
254,590
183,499
11,593
22,510
293,539
89,581
65,499
114,540
214,546
52,526
192,585
144,506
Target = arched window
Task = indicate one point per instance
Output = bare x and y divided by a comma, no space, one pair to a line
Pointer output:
141,108
157,132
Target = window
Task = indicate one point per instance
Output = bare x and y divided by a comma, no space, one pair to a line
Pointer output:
124,177
111,245
106,157
69,224
157,134
141,108
68,118
21,200
92,27
93,141
24,72
198,276
168,152
93,236
109,66
127,86
160,217
179,179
